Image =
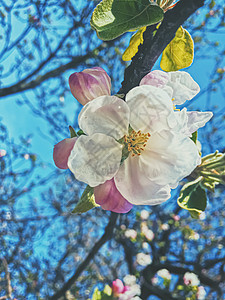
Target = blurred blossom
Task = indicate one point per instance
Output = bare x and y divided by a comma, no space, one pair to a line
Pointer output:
2,152
129,280
164,273
145,245
61,99
201,293
123,227
8,215
149,235
131,234
176,218
143,259
117,287
26,156
194,236
202,216
191,279
165,226
154,280
144,214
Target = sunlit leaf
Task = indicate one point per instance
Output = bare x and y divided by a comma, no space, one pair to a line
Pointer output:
179,53
87,201
193,198
112,18
135,41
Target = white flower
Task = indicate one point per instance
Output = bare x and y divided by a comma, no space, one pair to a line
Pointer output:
165,226
143,259
164,273
149,235
131,234
129,280
191,279
201,293
157,155
144,214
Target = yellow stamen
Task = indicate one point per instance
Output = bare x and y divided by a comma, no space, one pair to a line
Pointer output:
136,142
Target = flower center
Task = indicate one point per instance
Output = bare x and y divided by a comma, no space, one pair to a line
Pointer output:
136,141
174,106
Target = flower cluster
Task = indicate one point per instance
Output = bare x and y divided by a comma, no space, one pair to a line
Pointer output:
130,291
133,151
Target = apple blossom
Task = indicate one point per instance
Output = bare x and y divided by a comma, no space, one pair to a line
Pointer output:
201,293
89,84
191,279
2,152
143,259
164,273
117,287
130,234
135,143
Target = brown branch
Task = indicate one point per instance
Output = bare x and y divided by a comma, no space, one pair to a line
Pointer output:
153,45
9,287
149,272
105,237
23,86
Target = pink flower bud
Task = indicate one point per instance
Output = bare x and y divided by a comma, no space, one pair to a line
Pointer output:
109,198
62,151
90,84
117,287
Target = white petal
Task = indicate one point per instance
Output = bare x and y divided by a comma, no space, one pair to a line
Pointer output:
95,159
197,119
156,78
132,183
183,85
169,157
105,114
189,122
149,108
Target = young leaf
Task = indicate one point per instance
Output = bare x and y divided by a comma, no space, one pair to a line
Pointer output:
193,197
179,53
87,201
112,18
135,41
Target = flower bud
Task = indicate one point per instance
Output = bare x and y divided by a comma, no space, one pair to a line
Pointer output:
117,287
89,84
109,198
62,151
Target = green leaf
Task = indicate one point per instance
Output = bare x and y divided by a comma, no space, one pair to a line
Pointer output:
135,41
112,18
193,197
87,201
179,53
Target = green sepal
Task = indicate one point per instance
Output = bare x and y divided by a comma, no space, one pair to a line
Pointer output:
193,197
80,132
72,132
86,202
194,136
112,18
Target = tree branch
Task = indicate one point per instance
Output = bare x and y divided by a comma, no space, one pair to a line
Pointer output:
106,237
23,86
153,46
